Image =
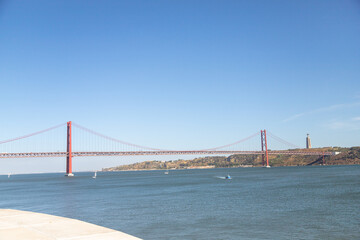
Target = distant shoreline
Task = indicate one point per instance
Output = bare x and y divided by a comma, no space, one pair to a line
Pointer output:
181,169
142,170
188,168
344,156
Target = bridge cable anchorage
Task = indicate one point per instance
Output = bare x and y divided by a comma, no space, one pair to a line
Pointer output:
231,144
282,140
32,134
116,140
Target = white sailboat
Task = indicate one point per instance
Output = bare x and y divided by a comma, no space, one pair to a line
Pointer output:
94,175
9,175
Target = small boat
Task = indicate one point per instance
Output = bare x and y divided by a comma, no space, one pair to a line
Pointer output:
167,172
9,175
94,175
228,177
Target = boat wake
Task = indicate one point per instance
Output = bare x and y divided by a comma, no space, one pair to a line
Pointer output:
221,177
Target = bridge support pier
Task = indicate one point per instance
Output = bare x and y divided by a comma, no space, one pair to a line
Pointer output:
264,149
69,152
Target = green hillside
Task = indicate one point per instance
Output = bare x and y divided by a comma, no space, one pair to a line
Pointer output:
345,156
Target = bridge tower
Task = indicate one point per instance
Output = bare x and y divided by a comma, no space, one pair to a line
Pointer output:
69,152
264,149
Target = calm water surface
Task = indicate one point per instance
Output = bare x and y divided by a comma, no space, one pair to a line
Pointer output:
279,203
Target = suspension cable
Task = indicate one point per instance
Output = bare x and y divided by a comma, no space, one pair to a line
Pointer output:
231,144
32,134
116,140
282,140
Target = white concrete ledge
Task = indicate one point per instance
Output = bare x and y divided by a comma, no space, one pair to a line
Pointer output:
23,225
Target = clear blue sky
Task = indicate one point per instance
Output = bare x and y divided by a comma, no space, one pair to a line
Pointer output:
183,74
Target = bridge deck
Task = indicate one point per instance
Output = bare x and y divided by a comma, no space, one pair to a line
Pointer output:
149,153
22,225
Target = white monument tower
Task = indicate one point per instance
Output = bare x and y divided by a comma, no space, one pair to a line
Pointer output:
308,141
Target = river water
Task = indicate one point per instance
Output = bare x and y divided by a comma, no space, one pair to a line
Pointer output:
317,202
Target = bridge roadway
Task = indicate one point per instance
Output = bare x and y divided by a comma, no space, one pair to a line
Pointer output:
149,153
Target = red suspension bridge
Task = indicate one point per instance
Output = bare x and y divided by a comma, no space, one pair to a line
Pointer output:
31,145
